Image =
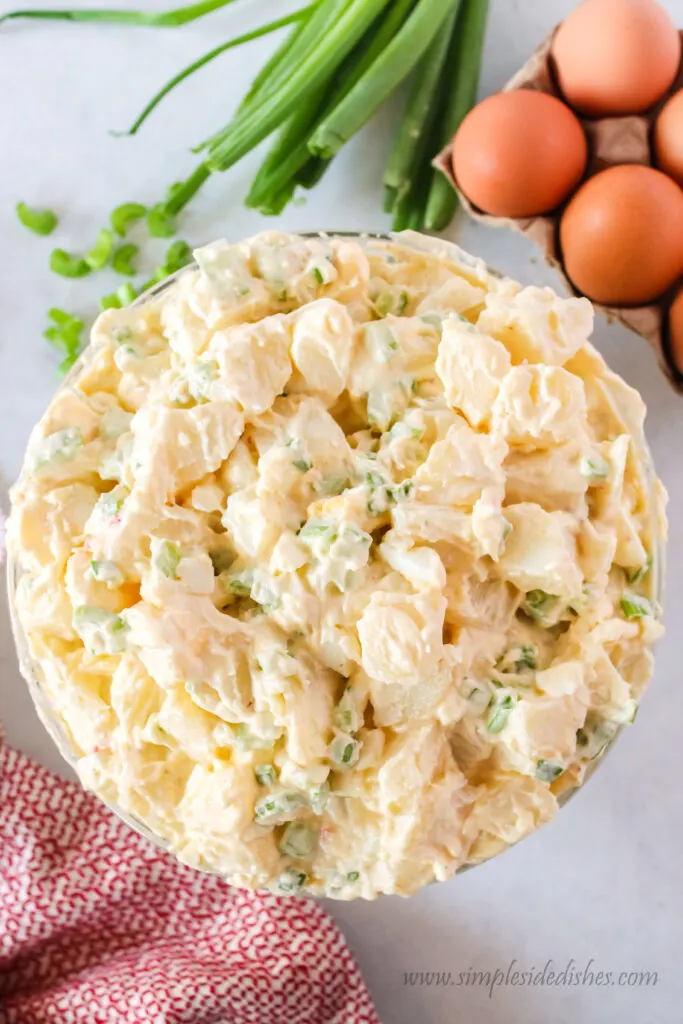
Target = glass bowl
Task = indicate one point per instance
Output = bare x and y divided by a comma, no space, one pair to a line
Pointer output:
31,671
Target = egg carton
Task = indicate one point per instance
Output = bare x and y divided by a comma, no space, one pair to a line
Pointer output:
611,141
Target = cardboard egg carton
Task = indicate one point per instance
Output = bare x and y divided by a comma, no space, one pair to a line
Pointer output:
611,141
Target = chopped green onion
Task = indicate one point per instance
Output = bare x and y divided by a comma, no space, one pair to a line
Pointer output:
318,797
265,774
345,750
126,294
101,251
111,301
292,881
353,876
635,607
122,260
102,631
41,222
108,507
501,705
160,223
167,559
271,810
239,587
297,841
65,335
61,446
105,571
125,215
595,468
539,605
68,266
548,771
178,255
302,464
518,658
638,574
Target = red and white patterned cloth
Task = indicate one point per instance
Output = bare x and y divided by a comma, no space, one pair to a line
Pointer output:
97,925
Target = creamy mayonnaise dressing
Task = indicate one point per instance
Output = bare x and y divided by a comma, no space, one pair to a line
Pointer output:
336,561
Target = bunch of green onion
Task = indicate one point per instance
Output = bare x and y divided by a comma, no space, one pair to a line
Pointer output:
337,65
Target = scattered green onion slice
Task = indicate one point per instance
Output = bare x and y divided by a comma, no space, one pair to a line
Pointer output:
160,223
353,876
41,222
125,215
111,301
126,294
68,266
122,260
101,251
179,254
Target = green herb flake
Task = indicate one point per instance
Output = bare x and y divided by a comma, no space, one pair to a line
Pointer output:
353,876
68,266
160,223
101,251
122,260
318,275
302,465
125,215
41,222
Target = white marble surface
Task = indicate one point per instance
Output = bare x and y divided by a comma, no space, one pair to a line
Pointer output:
603,881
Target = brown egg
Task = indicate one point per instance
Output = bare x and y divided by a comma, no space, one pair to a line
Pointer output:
616,57
519,154
668,138
676,332
622,236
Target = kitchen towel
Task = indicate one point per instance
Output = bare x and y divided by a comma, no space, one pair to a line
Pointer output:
97,925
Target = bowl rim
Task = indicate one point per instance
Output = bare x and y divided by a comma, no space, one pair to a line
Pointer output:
31,674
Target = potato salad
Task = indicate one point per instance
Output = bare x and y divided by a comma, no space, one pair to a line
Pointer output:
336,561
